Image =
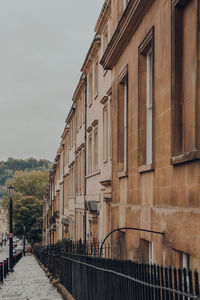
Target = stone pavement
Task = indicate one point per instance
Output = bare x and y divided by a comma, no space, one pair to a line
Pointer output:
28,282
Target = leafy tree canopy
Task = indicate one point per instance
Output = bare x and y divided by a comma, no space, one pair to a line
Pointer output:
30,183
27,211
30,188
9,167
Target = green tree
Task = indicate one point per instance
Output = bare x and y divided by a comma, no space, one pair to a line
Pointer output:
27,211
30,187
30,183
9,167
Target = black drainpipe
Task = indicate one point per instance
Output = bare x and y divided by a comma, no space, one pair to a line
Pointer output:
85,190
63,145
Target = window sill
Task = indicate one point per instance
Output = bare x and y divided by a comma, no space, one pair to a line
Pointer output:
145,168
93,174
122,174
185,157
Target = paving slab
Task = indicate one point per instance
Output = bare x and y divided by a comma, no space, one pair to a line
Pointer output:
28,282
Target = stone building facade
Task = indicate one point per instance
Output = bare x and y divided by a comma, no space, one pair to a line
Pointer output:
141,138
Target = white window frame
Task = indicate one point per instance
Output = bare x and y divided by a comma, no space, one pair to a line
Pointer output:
96,68
90,154
90,86
79,172
82,170
110,128
150,252
95,138
83,105
125,123
105,133
149,126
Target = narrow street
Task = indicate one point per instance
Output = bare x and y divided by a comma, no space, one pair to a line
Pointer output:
100,150
28,282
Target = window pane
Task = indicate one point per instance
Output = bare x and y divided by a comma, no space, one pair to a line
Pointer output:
122,125
149,107
95,150
96,78
105,133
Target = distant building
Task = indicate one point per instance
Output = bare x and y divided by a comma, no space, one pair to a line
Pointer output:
3,224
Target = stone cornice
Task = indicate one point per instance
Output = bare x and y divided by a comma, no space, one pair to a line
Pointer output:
105,183
66,175
70,114
89,129
91,53
127,26
104,14
80,148
57,157
65,131
104,100
109,92
79,87
71,164
60,149
94,123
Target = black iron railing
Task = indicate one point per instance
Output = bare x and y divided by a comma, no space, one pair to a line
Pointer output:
87,277
89,248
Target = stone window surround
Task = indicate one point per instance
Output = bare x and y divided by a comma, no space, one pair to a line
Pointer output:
105,132
96,77
89,160
91,131
95,148
143,49
195,154
148,252
123,84
90,86
104,102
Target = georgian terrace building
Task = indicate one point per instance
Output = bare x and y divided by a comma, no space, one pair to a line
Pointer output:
79,193
98,132
153,56
139,137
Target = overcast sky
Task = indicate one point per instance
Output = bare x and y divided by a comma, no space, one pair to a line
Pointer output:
43,44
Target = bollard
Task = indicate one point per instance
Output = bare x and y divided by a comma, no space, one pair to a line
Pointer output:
14,260
1,271
4,268
6,265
